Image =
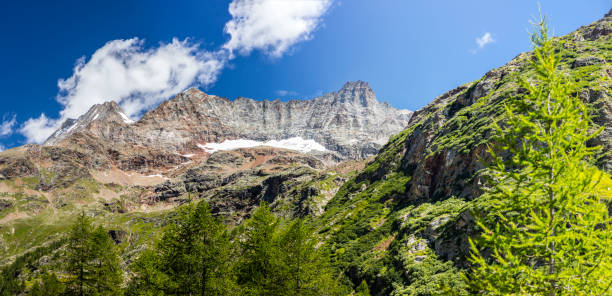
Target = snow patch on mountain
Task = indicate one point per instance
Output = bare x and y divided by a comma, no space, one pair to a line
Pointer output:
295,143
72,127
125,118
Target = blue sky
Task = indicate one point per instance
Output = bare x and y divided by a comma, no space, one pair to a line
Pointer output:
409,51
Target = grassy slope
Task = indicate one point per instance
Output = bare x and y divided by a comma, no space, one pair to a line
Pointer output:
375,227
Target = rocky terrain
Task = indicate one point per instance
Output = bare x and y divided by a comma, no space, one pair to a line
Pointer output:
403,222
350,123
399,220
115,167
43,187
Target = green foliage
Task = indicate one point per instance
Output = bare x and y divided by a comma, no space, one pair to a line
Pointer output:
192,258
471,125
147,279
277,258
370,236
418,219
424,273
10,283
304,270
49,285
428,275
545,228
92,262
256,267
363,289
268,256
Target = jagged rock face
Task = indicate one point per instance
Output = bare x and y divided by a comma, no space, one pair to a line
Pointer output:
234,182
53,167
101,119
350,123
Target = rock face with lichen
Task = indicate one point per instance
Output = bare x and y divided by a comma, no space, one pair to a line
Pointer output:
424,181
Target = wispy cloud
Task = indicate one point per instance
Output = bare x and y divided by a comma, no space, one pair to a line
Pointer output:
284,93
485,39
482,41
6,127
139,78
272,25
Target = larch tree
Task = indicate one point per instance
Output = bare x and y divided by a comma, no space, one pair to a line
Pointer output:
545,224
92,261
192,258
304,269
258,265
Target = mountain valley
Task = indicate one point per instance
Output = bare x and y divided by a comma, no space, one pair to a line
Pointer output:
389,192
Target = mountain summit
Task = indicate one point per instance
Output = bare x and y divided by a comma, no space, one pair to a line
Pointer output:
350,123
99,113
358,93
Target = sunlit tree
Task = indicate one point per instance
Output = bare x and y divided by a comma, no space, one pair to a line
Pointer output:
544,220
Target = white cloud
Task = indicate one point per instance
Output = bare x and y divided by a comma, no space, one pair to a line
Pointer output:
122,70
6,127
272,25
2,148
484,40
284,93
136,78
37,130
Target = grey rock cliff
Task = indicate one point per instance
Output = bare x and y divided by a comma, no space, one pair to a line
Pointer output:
351,123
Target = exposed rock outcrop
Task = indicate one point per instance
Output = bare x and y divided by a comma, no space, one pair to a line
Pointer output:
351,123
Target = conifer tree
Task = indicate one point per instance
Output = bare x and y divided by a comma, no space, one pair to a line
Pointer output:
363,289
192,258
148,278
78,256
106,264
278,257
259,256
545,226
92,261
49,285
305,270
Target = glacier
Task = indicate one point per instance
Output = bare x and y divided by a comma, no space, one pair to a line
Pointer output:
295,143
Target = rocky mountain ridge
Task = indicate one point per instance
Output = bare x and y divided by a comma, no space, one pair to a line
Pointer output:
351,123
100,113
